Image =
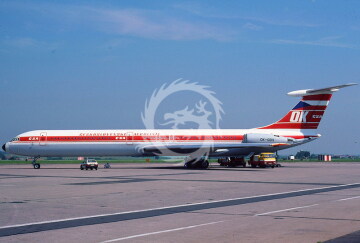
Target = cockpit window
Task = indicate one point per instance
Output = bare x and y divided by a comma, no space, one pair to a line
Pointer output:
15,139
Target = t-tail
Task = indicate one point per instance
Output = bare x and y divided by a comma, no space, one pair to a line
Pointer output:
308,112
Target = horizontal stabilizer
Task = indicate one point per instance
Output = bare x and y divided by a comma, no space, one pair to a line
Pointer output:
327,90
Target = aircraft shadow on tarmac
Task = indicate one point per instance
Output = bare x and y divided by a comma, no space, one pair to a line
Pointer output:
150,168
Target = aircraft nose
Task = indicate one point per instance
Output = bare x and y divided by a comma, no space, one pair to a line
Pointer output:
4,147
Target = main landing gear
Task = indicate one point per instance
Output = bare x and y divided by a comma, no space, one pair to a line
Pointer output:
197,164
36,165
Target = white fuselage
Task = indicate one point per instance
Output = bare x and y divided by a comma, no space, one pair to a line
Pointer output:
90,143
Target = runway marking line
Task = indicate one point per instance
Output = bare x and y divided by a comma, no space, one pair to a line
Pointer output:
171,207
284,210
137,214
349,198
160,232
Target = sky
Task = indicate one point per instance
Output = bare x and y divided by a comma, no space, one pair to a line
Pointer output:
93,64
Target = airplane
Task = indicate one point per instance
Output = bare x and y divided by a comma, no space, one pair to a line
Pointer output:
297,127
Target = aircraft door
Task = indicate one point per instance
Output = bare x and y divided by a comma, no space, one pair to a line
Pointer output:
129,138
43,138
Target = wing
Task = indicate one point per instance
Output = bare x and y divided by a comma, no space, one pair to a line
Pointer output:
212,147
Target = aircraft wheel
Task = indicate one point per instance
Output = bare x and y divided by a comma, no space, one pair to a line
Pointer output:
205,164
36,166
187,166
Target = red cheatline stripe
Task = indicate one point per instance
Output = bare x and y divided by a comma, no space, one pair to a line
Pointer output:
133,141
317,97
37,139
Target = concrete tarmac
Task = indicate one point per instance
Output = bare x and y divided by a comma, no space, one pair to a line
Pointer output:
300,202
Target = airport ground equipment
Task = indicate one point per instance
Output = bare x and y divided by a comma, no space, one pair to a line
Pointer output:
263,160
89,164
232,161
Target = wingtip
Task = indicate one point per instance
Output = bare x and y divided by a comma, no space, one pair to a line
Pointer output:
351,84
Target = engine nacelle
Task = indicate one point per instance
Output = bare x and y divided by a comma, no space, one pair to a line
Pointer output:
264,138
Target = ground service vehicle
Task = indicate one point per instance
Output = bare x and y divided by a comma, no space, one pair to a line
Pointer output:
232,162
89,164
263,160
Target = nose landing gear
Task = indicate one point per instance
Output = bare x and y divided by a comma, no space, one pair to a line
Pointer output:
36,165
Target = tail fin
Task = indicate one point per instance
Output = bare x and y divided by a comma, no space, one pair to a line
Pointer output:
308,112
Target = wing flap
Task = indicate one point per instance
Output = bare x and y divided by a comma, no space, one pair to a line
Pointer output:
212,147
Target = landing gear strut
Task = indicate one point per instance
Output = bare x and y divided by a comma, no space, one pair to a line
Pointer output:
36,165
201,164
